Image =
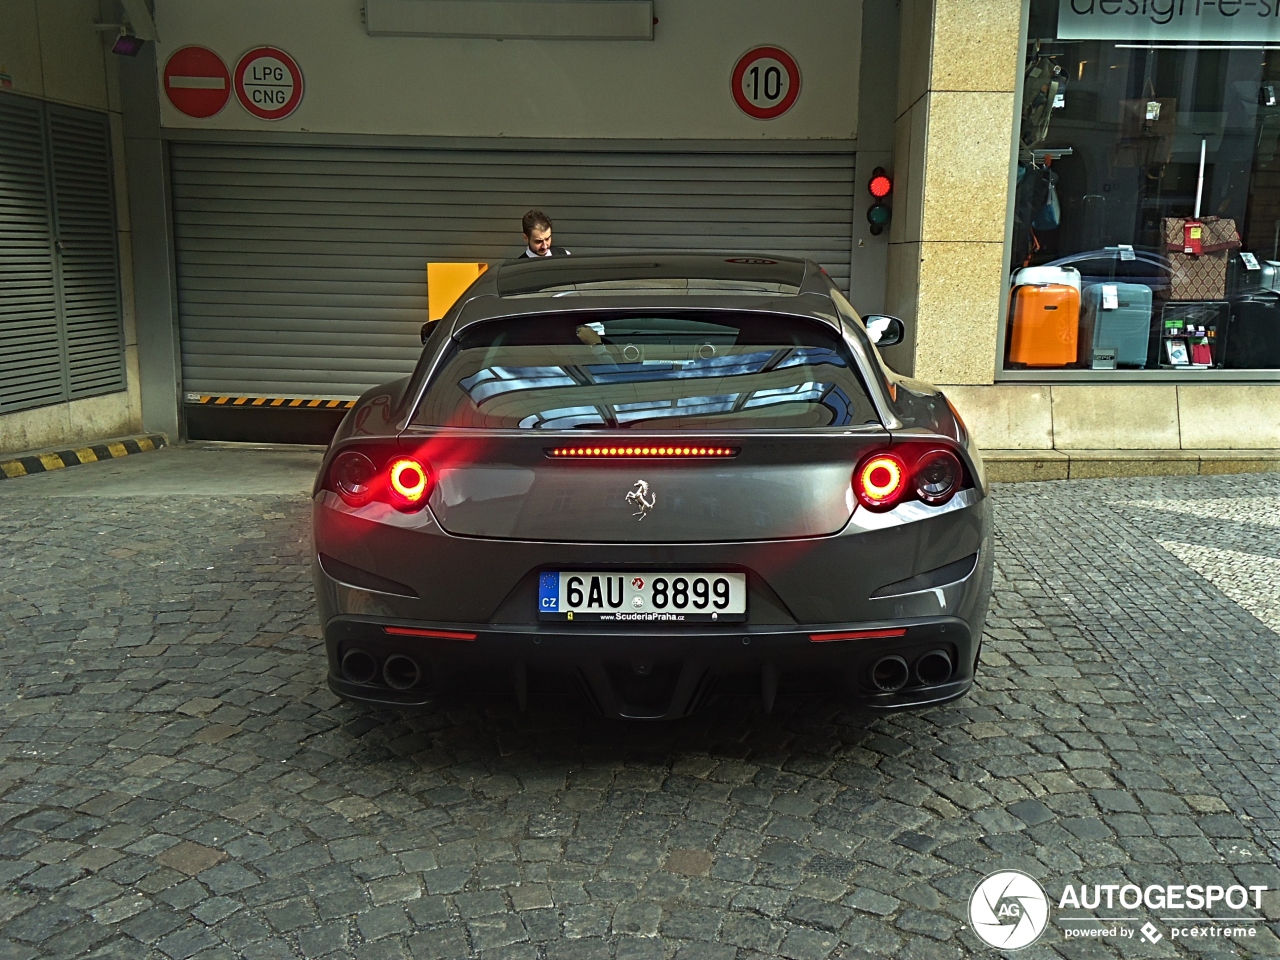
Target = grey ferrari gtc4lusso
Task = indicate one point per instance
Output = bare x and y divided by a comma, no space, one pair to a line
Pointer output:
653,474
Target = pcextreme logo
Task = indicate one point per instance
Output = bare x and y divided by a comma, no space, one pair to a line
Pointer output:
1009,910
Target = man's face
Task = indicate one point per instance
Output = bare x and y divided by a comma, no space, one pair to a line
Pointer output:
539,240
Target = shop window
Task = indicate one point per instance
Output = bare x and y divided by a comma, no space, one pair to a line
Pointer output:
1146,231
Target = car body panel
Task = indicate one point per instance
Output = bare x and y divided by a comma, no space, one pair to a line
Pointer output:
779,489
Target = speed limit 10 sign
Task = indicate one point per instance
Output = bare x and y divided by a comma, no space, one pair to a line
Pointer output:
766,82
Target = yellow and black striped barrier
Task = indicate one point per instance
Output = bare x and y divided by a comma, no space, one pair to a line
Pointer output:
112,450
290,402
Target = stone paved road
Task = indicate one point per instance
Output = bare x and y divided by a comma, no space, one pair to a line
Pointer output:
176,781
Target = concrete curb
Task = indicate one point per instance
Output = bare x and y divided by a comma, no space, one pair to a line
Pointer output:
24,465
1013,466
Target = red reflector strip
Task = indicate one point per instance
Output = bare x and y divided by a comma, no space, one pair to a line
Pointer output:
679,451
437,634
858,635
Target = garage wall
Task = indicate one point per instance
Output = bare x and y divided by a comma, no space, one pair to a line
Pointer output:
301,269
675,86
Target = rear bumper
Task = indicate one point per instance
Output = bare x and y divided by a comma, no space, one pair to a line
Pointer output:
404,571
652,675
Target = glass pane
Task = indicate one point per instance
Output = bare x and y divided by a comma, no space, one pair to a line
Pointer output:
1148,192
721,370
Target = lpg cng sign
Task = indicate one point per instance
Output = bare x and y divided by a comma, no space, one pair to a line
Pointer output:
268,83
766,82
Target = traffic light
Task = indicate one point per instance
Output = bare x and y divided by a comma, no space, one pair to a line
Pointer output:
880,186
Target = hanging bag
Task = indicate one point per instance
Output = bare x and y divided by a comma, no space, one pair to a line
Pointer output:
1050,215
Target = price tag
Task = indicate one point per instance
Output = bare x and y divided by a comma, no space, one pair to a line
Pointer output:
1110,296
1250,261
1153,109
1126,252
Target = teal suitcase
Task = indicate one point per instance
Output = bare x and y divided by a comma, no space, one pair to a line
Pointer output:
1126,328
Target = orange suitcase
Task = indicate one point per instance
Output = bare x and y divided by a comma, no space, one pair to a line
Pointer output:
1046,325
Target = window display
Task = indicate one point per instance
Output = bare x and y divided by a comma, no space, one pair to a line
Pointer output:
1146,221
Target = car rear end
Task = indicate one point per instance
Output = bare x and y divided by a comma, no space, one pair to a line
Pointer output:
655,495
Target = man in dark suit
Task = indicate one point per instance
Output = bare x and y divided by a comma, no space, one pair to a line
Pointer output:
537,237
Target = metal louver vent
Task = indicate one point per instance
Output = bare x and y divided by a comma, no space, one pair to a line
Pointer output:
60,317
31,372
81,154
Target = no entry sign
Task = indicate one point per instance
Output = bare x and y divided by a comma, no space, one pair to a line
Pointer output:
197,82
766,82
268,83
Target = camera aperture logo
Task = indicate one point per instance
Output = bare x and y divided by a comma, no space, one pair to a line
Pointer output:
1009,910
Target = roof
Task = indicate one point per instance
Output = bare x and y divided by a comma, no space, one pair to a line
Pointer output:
667,272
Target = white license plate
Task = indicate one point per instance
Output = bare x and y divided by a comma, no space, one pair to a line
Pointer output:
643,597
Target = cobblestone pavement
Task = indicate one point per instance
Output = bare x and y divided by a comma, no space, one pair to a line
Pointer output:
176,781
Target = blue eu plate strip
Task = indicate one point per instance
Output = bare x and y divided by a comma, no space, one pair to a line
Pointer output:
549,593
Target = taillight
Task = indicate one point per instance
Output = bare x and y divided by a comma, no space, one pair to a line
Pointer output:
880,481
353,475
938,475
361,477
408,483
910,471
434,634
858,635
682,451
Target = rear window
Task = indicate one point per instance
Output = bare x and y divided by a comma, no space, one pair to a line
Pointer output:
672,371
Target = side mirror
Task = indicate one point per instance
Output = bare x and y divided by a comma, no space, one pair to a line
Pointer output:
884,331
426,329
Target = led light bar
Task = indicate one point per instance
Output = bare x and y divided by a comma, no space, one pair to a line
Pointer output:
436,634
679,451
858,635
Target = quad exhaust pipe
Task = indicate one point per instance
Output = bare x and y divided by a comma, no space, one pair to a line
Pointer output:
398,672
358,666
401,672
933,668
890,674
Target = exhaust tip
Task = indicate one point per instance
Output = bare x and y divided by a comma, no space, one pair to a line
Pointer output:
401,672
890,674
933,668
359,666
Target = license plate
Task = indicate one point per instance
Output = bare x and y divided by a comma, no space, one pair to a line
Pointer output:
643,597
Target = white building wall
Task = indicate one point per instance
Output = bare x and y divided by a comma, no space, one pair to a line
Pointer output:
676,86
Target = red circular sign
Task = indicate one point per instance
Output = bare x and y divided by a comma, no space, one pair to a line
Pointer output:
268,83
766,82
197,82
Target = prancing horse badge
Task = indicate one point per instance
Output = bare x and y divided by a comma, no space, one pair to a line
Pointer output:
642,499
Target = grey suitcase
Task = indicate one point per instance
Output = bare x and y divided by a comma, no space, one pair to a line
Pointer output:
1125,328
1270,275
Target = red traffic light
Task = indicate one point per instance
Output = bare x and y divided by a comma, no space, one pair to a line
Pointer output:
880,184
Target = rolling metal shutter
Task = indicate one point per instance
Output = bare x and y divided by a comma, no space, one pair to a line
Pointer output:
60,321
302,269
